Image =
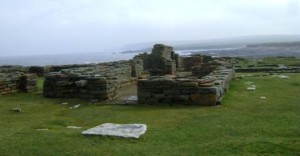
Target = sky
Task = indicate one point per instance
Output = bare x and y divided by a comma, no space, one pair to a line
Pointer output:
31,27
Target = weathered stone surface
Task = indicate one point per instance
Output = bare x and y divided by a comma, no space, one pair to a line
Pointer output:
17,82
192,61
119,130
99,82
208,90
162,61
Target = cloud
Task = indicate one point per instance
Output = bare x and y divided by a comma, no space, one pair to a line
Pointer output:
56,26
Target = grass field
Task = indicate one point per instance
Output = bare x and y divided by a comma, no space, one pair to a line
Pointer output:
245,124
288,61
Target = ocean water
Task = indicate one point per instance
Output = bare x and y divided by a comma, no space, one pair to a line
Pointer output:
63,59
86,58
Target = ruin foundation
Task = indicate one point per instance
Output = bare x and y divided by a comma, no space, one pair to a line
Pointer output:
207,90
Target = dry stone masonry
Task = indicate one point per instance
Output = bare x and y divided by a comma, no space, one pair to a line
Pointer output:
195,60
209,81
162,60
207,90
17,82
99,82
206,68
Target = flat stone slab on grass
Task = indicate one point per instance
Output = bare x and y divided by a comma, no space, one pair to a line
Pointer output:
119,130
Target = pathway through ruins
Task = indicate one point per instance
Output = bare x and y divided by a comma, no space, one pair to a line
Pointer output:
128,94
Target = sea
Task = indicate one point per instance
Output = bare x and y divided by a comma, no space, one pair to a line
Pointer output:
86,58
64,59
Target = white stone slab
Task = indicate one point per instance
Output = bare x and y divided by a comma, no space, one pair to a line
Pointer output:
283,76
120,130
73,127
263,97
251,88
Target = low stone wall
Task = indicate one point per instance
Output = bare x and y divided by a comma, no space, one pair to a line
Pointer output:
8,83
11,69
206,68
208,90
203,69
17,82
57,68
189,62
27,83
87,87
268,70
100,82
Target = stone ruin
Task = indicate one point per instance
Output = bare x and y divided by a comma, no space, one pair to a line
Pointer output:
99,82
195,60
207,84
162,60
206,68
207,90
17,82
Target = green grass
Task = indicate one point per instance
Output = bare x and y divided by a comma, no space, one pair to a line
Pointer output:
243,125
288,61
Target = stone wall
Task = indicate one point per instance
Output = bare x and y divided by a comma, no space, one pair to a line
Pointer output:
8,83
87,87
189,62
208,90
13,69
58,68
162,61
99,82
195,60
17,82
27,82
206,68
268,70
137,67
207,58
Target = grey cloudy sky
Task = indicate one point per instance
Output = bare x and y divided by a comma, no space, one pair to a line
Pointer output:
74,26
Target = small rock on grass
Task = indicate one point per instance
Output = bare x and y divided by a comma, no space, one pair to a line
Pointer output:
74,127
75,106
262,97
42,129
283,76
251,88
19,110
